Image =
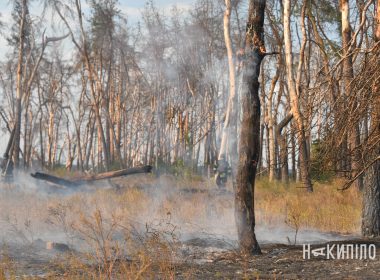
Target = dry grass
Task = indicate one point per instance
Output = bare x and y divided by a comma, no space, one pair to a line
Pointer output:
144,220
7,267
326,209
130,256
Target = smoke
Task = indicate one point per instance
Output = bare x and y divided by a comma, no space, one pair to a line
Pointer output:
194,213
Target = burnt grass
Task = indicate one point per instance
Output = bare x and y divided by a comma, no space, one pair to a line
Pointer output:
204,257
279,261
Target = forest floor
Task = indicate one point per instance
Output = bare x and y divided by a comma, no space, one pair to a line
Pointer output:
283,262
278,261
143,227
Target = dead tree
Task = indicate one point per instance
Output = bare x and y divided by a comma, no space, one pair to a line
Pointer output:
19,93
94,80
7,162
249,144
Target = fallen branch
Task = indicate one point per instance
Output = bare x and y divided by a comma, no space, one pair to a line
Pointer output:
54,179
88,179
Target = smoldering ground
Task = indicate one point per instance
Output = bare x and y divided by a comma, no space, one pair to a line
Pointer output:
179,210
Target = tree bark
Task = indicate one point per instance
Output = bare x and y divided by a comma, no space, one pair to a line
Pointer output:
377,33
348,75
371,201
88,179
294,102
284,148
230,118
250,130
371,191
17,136
272,137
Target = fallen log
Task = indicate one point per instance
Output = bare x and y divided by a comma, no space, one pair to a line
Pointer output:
88,179
117,173
54,179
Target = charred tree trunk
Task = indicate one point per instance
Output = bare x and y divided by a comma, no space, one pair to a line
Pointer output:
250,130
284,148
17,136
377,33
371,201
42,150
371,191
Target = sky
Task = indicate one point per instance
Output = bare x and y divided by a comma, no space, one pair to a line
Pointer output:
133,8
130,8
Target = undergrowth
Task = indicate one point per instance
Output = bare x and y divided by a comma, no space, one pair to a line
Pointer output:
134,232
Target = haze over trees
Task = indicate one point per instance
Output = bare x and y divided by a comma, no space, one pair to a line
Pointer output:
285,89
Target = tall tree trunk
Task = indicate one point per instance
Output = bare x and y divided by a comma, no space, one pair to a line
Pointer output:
284,148
293,153
42,151
371,200
348,75
371,192
27,138
16,145
377,33
230,119
271,126
294,102
249,145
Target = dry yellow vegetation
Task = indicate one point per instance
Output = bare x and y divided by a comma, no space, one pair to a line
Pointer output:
146,217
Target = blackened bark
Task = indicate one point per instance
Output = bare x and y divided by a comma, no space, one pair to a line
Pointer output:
76,182
371,202
371,190
284,148
19,93
371,193
250,130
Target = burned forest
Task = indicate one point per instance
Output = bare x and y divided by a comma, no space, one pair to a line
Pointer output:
190,139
